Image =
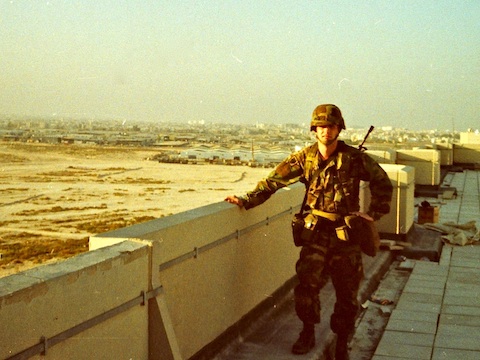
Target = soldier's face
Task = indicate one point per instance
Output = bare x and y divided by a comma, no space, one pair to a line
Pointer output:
327,134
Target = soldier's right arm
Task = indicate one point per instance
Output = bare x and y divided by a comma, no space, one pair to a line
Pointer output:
287,172
232,199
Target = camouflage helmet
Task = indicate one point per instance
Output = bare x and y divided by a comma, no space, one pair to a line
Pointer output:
327,114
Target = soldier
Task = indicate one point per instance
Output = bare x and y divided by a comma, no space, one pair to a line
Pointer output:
331,171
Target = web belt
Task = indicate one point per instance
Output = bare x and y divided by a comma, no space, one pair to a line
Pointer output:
327,215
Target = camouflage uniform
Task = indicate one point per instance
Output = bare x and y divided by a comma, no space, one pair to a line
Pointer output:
333,188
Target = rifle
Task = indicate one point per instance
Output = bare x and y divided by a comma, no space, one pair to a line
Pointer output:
361,147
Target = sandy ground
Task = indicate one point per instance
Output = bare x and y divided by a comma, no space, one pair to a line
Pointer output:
53,197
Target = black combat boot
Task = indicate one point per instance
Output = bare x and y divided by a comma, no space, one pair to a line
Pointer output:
341,348
306,340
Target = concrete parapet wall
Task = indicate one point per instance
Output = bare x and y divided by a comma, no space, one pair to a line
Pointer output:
218,262
163,289
52,301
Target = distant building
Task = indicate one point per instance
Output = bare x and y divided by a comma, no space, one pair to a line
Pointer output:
470,137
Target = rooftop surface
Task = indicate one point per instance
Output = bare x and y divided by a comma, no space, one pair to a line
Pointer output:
413,308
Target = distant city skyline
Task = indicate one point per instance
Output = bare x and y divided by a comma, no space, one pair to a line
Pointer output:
405,64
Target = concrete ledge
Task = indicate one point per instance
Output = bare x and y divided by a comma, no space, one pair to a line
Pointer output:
217,263
55,299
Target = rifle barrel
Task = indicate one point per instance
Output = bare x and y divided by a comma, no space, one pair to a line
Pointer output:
361,147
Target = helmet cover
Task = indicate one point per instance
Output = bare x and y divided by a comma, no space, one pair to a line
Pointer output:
327,114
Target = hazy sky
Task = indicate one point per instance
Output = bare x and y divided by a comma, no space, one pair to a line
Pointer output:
412,64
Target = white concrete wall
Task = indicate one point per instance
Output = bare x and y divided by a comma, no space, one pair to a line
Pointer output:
207,294
48,300
226,261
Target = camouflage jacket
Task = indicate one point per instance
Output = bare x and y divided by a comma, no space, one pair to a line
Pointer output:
333,185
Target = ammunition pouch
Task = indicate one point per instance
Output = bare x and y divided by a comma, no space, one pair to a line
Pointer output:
363,232
342,233
303,228
356,229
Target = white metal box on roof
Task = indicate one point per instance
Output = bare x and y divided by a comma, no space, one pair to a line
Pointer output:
426,163
383,156
466,154
430,155
446,154
426,173
402,210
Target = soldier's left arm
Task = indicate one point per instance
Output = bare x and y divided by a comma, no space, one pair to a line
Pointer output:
381,188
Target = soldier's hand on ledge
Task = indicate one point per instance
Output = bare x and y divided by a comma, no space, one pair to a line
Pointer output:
234,200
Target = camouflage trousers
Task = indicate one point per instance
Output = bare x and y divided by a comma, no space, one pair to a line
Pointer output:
328,257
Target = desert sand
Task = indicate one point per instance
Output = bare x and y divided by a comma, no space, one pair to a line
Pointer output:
54,197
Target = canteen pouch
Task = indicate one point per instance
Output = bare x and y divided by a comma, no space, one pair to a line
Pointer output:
303,228
363,232
298,223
